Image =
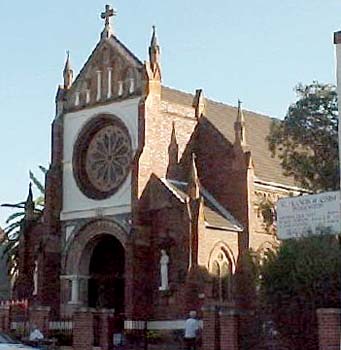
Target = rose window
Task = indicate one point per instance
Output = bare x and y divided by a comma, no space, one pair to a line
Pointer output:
103,157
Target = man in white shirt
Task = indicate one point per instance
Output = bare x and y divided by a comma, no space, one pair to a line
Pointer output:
36,335
191,331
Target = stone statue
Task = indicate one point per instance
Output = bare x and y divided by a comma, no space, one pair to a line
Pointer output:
35,278
164,261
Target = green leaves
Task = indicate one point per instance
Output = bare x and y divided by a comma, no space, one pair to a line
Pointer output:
302,276
306,141
16,224
37,183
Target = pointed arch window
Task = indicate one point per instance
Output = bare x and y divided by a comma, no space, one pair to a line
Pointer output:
222,277
216,282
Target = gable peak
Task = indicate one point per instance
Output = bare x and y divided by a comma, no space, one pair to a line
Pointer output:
106,15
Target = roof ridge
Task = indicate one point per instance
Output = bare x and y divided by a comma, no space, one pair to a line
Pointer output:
219,103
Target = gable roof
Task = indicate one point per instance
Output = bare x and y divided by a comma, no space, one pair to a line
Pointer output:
114,43
215,215
222,116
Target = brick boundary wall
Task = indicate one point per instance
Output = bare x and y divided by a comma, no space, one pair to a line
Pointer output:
5,318
209,327
83,335
105,337
329,328
228,329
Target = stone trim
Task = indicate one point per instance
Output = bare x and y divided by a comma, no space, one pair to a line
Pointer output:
75,249
328,311
228,312
156,324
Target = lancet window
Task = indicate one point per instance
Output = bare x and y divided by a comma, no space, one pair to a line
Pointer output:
222,277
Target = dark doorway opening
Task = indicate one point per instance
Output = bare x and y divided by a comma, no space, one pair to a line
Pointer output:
106,283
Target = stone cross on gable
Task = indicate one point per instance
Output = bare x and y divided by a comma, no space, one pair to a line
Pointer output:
109,12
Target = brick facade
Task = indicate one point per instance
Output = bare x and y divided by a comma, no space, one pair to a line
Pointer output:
4,318
329,328
210,332
229,329
83,335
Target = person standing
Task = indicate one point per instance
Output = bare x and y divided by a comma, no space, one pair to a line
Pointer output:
36,334
191,331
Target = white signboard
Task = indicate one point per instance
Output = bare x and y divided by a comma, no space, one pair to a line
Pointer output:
309,214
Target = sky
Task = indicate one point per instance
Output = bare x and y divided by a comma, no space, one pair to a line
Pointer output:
256,51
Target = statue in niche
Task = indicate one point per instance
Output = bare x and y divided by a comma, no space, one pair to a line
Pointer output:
35,278
164,261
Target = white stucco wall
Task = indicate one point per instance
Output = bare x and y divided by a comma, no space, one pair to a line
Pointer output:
75,203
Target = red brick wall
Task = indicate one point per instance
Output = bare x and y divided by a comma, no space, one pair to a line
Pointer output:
228,329
223,171
83,336
329,328
105,338
155,129
44,232
28,253
4,318
210,331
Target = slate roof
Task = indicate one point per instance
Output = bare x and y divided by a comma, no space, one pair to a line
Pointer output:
223,116
215,216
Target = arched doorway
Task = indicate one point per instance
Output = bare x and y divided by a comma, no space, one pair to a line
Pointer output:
106,274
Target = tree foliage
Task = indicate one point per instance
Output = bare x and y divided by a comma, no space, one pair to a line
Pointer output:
302,276
15,224
306,141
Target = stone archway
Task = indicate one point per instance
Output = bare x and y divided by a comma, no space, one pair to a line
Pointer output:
95,263
106,274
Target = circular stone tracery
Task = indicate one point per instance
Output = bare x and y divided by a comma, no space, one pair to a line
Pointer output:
102,157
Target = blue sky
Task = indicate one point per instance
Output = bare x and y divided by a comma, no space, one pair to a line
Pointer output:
253,50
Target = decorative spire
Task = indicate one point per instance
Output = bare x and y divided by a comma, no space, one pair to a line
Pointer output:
29,204
193,187
154,41
154,53
173,155
239,126
240,115
173,141
109,12
199,103
68,72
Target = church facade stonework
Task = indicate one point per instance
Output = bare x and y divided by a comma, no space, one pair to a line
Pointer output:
153,195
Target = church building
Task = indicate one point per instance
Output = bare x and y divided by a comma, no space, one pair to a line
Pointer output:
152,196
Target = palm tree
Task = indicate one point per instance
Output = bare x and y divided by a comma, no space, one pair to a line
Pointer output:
15,222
